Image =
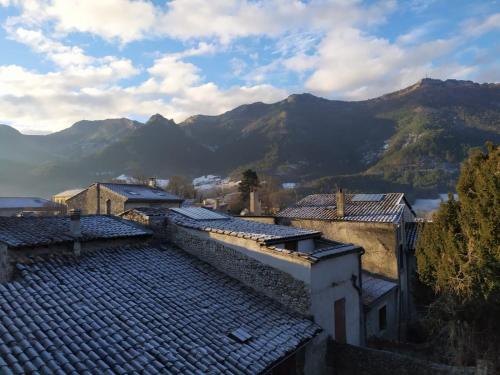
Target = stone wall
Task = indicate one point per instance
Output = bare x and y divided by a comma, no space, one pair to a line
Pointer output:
87,201
378,239
355,360
276,284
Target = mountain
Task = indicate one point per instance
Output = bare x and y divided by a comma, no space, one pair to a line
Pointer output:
87,137
411,140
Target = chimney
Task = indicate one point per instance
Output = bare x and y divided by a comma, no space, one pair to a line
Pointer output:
340,198
254,203
76,230
152,182
4,264
216,204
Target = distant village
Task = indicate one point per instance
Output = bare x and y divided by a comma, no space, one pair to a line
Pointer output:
125,275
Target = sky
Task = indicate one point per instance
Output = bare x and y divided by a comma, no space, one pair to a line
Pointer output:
62,61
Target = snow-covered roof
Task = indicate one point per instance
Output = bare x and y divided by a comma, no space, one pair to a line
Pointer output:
140,310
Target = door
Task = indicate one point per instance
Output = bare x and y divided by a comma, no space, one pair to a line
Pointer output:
340,329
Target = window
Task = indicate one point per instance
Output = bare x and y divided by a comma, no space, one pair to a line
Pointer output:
108,207
292,246
382,318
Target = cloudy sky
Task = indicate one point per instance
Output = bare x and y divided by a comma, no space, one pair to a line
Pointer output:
66,60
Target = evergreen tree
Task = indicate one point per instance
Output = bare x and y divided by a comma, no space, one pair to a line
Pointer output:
249,182
458,256
459,253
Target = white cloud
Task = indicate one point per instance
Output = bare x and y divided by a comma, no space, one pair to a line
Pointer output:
479,27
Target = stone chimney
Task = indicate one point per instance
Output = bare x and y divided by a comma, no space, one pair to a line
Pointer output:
76,230
254,203
340,198
152,182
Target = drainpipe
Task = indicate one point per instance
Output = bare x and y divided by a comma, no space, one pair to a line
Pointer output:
359,288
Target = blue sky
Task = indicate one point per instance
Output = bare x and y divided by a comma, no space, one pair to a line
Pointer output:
67,60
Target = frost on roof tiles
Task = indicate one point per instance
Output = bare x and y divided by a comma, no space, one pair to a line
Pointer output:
198,213
324,207
141,192
41,231
139,310
260,232
375,287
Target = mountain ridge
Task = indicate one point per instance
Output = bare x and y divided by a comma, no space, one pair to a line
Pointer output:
404,137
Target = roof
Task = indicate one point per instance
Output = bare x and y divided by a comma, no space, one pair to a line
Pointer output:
260,232
142,192
42,231
69,193
388,209
199,213
148,211
140,310
412,231
375,288
26,202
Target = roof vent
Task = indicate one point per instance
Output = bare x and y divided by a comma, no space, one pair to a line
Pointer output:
240,335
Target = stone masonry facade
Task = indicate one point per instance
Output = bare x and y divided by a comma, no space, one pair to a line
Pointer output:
278,285
87,201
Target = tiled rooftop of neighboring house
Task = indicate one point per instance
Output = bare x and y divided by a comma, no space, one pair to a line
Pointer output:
358,207
69,193
412,231
140,310
26,202
260,232
375,287
42,231
142,192
149,211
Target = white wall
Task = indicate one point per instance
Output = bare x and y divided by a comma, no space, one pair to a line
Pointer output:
372,317
330,281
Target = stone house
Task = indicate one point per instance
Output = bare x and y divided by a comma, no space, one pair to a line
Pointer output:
309,275
93,294
63,196
115,198
32,206
376,222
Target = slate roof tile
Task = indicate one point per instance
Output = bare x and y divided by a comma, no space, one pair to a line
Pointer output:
102,314
375,287
324,207
253,230
135,192
40,231
412,231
